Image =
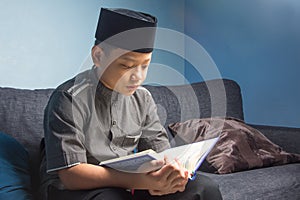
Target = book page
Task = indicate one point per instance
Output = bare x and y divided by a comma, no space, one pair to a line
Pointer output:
192,155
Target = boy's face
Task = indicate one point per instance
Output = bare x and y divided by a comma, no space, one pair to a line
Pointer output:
125,73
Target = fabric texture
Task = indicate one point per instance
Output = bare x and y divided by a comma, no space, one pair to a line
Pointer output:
21,114
197,100
240,147
286,137
15,182
270,183
135,31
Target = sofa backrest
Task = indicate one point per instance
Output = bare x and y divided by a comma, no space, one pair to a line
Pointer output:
213,98
22,110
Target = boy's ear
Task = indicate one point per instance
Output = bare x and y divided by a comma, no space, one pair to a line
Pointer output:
97,52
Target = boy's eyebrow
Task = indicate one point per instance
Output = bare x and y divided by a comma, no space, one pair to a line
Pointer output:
132,58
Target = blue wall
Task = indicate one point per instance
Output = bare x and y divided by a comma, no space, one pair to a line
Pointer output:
256,43
44,42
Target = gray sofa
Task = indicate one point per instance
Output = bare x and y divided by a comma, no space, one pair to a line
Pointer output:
21,114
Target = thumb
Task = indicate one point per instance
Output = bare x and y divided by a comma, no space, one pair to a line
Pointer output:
157,163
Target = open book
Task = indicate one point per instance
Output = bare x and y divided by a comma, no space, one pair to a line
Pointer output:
191,156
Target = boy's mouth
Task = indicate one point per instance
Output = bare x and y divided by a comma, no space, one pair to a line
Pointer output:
132,87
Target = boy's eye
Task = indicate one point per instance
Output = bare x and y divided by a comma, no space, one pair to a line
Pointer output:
131,67
144,66
126,66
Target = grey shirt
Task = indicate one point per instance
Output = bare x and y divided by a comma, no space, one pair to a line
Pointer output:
85,122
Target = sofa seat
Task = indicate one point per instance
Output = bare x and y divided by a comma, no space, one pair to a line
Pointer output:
275,183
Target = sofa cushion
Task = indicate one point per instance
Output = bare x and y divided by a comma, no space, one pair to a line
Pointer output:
276,183
240,147
15,181
21,114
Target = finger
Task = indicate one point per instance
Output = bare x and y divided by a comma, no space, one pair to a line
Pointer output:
166,160
184,171
186,174
164,172
157,162
161,192
169,172
177,172
180,186
178,162
178,182
156,192
174,175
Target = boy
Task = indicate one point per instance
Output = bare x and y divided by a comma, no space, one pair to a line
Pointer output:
103,113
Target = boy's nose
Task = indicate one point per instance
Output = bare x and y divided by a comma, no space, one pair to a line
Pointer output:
137,74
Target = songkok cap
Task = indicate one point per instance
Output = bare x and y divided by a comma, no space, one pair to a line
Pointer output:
126,29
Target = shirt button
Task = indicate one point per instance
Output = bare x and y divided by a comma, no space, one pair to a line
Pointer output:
114,122
114,148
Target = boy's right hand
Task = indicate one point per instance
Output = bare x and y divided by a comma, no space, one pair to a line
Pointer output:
171,178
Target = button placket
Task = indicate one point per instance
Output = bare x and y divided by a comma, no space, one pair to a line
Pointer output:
114,116
114,128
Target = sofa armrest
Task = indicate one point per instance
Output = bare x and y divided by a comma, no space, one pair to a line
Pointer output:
286,137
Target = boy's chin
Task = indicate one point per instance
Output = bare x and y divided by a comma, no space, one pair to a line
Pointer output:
127,93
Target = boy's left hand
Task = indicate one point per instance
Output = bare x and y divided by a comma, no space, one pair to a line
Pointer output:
172,177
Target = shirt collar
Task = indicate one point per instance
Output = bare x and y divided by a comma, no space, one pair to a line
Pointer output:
104,92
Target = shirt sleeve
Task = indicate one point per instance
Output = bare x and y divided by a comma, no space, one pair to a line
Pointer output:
64,138
154,135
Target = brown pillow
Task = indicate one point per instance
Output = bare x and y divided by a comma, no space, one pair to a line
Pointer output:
239,148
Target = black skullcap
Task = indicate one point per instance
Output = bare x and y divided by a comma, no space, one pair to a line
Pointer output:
126,29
